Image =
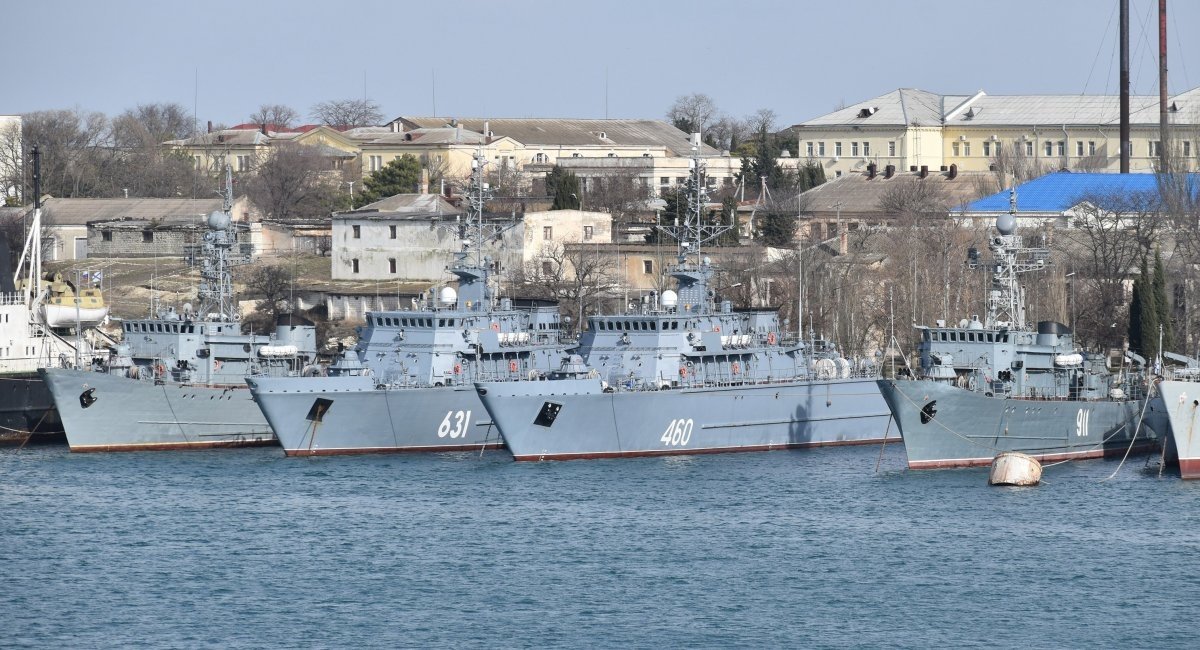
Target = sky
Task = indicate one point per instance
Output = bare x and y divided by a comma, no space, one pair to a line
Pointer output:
569,59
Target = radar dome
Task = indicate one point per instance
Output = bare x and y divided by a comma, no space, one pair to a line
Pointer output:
1006,224
218,220
448,296
670,298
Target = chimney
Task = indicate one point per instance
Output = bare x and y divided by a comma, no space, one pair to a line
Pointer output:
924,171
210,126
889,171
871,171
843,243
424,182
458,133
953,171
487,132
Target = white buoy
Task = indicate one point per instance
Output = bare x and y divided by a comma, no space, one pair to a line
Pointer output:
1015,468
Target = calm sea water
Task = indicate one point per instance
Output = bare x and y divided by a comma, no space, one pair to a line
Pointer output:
808,548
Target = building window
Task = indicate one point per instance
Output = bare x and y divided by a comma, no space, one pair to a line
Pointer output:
987,148
198,161
612,155
243,163
575,155
1079,148
391,232
391,265
1049,148
954,149
821,149
1062,148
147,236
680,180
966,148
809,147
892,149
354,264
587,233
837,149
854,149
547,267
647,266
1029,147
665,180
547,233
106,235
376,163
1154,148
1187,148
866,149
357,231
837,174
539,158
1091,147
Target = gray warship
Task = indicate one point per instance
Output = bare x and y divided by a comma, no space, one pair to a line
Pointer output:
1001,385
177,380
407,383
685,374
1180,390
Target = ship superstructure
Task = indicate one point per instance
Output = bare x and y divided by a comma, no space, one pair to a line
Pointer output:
176,380
407,384
686,373
1002,384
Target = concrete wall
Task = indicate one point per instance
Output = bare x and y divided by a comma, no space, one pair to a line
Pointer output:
422,248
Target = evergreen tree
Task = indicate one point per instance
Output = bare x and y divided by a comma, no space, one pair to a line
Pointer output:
1148,314
400,176
1135,316
811,175
563,187
1161,304
777,229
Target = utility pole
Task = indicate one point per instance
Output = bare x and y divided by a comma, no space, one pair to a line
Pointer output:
1163,165
1124,38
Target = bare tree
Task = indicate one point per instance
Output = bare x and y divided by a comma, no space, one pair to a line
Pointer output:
294,181
276,115
579,276
726,133
347,113
12,164
1111,234
692,113
75,148
620,194
141,166
764,119
1015,165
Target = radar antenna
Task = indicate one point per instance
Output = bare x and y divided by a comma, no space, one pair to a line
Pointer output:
216,277
1006,300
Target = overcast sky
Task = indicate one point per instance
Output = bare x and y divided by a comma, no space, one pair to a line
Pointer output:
568,58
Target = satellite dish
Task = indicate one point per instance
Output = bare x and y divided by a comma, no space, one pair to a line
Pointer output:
1006,224
219,221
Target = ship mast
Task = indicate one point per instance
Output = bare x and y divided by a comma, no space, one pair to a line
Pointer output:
1006,300
216,277
691,235
470,264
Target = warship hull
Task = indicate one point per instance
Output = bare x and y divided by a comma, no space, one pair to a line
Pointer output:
102,412
943,426
566,419
319,416
1182,402
27,413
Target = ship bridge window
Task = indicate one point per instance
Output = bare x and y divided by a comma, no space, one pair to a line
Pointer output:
653,327
441,322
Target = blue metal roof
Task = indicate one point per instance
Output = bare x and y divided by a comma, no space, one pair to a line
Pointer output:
1061,191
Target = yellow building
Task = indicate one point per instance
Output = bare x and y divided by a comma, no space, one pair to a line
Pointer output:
911,128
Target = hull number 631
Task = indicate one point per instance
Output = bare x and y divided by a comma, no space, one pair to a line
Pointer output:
455,424
678,433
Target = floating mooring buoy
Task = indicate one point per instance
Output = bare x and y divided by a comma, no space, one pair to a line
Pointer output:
1015,468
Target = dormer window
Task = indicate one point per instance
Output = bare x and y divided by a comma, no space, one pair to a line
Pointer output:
867,112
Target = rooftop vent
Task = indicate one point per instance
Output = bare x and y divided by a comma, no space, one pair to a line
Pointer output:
953,172
889,171
867,112
924,171
871,171
970,114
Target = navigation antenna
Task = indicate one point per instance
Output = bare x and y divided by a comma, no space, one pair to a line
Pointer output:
1006,300
216,278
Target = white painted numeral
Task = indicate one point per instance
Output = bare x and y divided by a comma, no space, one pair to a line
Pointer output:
1081,422
678,433
455,424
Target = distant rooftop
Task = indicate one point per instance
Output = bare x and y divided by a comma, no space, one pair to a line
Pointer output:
81,211
551,132
913,107
856,193
1061,191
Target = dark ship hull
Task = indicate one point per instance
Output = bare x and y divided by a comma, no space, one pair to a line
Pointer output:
27,413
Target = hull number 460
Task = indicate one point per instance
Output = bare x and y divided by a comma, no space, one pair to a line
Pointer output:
678,433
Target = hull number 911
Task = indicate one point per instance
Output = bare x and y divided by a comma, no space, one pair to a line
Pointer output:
678,433
455,424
